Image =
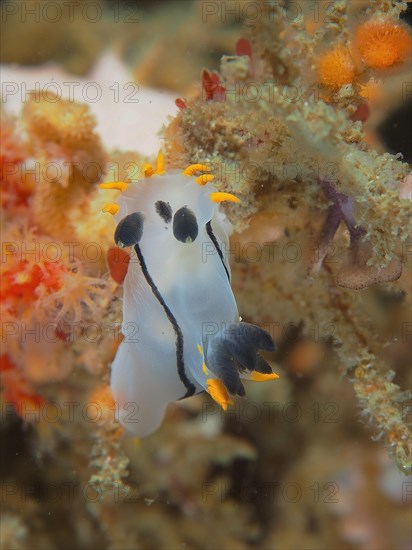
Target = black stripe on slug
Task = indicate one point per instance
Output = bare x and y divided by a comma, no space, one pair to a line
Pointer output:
129,230
180,364
185,228
212,236
164,210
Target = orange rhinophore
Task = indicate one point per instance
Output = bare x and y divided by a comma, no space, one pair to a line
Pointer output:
118,262
336,68
383,44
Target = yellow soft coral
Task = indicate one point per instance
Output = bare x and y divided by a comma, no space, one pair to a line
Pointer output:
70,161
50,118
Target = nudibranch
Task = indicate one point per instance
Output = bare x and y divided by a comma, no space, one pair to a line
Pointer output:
181,326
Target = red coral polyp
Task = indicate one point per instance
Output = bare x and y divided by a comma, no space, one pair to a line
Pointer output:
22,281
16,187
180,104
212,86
244,47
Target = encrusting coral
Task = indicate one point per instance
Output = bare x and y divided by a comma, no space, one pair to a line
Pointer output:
53,286
272,139
64,142
320,259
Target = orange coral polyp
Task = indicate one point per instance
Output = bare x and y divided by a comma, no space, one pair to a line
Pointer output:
22,280
383,44
336,67
372,90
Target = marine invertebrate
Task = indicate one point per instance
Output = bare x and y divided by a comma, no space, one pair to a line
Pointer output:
21,281
273,149
15,189
179,237
48,298
387,406
383,43
378,47
64,143
371,90
356,274
212,86
336,67
79,295
38,285
49,118
234,473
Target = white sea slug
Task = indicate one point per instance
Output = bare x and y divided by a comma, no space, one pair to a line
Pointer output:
181,326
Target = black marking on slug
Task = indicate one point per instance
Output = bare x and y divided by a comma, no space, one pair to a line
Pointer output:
242,352
180,364
164,210
129,230
242,340
231,355
251,335
262,365
212,237
225,367
185,228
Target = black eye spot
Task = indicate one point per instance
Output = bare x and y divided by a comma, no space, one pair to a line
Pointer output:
129,231
164,210
185,228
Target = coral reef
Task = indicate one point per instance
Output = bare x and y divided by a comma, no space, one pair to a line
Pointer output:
279,146
53,282
320,259
63,139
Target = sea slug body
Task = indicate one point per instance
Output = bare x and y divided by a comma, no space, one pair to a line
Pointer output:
181,326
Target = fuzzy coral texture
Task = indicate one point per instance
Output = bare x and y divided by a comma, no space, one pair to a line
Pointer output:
320,258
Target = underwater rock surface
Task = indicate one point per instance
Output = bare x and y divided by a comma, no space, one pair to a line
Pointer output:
284,104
